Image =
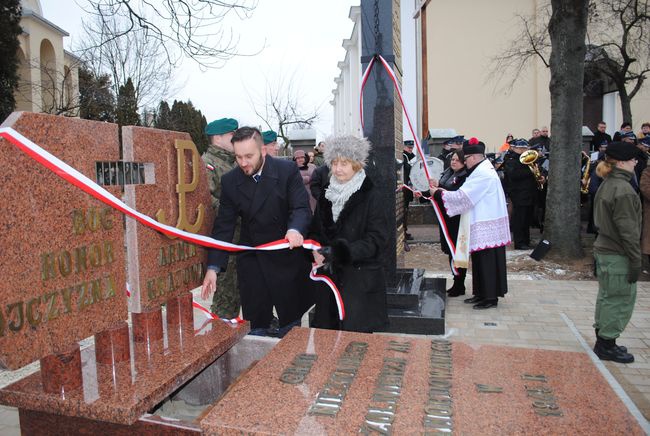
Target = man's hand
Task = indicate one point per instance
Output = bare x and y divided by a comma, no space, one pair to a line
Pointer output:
209,284
633,274
318,258
417,194
295,239
433,183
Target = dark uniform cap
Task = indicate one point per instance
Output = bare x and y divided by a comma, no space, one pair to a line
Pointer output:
409,143
473,146
520,142
221,126
457,139
269,136
629,135
621,151
447,142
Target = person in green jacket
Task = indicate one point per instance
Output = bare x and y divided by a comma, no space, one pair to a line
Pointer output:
617,215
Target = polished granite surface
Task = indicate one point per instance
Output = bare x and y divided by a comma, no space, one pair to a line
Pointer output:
124,391
416,304
355,382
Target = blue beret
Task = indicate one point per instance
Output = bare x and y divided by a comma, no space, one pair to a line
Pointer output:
221,126
269,136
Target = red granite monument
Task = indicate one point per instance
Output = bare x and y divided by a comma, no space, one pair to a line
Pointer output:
64,272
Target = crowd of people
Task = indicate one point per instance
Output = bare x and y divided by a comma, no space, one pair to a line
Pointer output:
261,198
326,195
615,182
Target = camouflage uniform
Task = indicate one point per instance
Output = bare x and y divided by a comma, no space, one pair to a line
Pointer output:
225,302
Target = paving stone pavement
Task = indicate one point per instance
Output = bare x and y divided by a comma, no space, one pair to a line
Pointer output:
530,316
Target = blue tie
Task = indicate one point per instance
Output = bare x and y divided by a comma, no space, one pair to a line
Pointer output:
256,177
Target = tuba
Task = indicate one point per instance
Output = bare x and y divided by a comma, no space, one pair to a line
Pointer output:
529,157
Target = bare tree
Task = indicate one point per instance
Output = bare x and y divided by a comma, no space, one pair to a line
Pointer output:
532,42
196,28
280,107
55,93
618,47
107,48
567,29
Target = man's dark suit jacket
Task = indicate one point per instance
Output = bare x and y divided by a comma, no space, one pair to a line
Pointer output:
278,202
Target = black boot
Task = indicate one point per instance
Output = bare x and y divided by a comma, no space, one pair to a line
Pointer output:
606,349
623,348
457,289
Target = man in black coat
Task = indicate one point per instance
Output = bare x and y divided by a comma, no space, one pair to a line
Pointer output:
319,180
269,196
522,189
600,137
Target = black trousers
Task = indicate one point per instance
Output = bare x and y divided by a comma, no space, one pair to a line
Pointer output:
521,220
489,277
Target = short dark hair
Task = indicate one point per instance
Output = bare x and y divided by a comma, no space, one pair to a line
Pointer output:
626,124
602,122
244,133
645,125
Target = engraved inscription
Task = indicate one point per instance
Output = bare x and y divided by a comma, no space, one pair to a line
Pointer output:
48,306
299,369
437,410
330,399
383,405
544,403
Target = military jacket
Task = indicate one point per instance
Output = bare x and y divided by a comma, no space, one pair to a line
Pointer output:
617,213
218,162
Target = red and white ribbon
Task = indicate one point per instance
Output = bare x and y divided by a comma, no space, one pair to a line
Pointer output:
329,282
418,146
71,175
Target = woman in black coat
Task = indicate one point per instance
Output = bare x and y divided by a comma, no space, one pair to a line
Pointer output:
351,224
452,179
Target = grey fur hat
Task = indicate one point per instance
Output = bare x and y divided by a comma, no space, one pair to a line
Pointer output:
348,147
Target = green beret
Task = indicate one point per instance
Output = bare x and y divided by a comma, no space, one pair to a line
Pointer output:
219,127
269,136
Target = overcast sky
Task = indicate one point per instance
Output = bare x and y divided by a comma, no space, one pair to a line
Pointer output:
300,37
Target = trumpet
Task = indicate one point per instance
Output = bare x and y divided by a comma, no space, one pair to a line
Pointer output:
529,157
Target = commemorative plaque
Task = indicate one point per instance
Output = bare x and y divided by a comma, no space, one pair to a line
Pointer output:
62,255
175,192
381,384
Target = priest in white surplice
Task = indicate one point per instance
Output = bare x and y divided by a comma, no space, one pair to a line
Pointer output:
484,231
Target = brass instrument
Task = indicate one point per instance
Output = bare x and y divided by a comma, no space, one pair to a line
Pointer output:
529,157
586,175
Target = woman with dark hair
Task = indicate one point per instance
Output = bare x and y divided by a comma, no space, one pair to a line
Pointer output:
617,249
452,179
350,223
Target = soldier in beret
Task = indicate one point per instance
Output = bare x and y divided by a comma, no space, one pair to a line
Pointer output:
270,139
617,249
219,159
